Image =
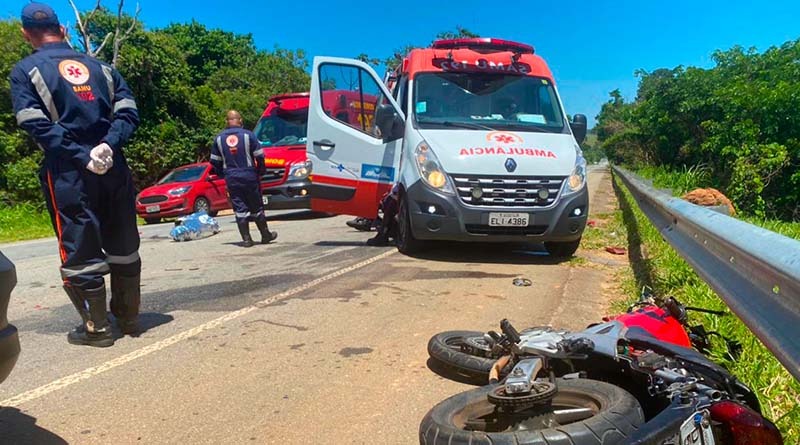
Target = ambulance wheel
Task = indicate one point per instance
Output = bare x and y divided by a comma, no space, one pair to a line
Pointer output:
201,205
152,220
406,243
562,249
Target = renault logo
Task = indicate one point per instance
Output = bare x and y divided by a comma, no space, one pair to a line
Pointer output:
511,165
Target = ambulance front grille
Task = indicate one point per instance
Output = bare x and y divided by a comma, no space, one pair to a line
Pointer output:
507,191
273,174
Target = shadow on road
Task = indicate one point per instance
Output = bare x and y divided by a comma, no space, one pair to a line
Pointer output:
488,253
299,216
342,243
149,320
19,428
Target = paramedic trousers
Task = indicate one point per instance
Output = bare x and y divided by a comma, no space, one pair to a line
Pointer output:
94,218
245,191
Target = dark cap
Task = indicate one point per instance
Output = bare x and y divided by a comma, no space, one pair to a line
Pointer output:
38,15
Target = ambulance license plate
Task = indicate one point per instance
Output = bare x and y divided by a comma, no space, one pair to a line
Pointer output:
264,199
508,219
152,209
697,433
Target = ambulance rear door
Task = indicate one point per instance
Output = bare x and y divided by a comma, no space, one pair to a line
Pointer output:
355,131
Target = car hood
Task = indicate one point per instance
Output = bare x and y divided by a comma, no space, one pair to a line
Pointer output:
162,189
488,152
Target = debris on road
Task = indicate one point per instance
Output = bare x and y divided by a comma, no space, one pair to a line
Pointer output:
523,282
616,250
195,226
711,197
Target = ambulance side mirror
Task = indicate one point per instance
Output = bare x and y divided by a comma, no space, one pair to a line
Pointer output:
389,123
578,126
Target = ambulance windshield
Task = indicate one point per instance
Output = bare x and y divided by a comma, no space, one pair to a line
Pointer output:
486,101
283,128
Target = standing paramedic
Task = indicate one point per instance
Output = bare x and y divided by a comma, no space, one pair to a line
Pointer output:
80,112
237,155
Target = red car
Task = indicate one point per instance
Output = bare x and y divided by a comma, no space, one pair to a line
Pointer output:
185,190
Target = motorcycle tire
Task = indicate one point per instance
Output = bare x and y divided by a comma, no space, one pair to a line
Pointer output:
615,415
445,347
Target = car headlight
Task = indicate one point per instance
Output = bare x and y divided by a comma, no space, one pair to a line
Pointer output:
301,170
577,180
180,190
431,169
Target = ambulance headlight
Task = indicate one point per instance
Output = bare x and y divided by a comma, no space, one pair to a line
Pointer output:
577,180
180,190
430,169
300,171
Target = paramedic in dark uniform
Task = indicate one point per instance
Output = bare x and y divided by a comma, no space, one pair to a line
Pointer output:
80,112
237,155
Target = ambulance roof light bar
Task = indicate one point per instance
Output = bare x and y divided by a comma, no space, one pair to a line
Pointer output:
483,43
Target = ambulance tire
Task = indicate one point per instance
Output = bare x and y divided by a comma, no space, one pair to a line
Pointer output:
562,249
406,243
445,348
617,416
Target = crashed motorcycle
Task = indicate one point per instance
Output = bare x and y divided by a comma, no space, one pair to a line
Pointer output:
633,379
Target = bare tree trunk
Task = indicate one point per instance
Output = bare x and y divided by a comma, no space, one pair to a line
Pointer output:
117,37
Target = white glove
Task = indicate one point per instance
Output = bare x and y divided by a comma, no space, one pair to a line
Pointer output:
101,159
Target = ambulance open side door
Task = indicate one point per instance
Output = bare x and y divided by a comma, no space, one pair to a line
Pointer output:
355,131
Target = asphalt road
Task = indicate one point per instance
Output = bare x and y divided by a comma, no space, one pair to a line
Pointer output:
316,338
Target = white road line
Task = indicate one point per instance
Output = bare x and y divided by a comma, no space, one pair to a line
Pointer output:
139,353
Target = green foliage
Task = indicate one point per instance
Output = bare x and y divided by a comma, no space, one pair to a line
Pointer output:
739,119
184,77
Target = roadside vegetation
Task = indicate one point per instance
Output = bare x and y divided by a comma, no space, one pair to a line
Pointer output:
22,222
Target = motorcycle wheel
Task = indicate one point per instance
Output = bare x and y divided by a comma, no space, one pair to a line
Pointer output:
583,412
445,347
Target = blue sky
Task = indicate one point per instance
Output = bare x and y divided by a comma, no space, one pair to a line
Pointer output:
591,47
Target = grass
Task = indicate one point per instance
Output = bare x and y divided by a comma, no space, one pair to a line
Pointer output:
24,222
657,265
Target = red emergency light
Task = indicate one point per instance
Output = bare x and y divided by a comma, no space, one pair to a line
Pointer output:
483,43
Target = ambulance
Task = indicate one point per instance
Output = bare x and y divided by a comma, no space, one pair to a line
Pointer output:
473,132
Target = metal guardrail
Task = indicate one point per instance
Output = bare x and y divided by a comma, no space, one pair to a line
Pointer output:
755,271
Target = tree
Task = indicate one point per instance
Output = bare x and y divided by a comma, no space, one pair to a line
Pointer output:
121,32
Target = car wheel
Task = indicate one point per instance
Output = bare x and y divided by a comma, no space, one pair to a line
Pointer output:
201,205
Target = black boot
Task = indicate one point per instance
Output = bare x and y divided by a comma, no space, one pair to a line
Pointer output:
266,235
381,239
80,305
97,330
126,297
244,230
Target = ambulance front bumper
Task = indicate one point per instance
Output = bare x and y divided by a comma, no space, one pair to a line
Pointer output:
440,216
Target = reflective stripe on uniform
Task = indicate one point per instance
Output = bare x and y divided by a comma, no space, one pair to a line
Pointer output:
44,93
242,215
259,153
123,259
125,103
247,150
74,271
219,148
108,73
29,114
215,157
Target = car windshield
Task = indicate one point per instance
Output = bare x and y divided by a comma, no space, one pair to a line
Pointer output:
186,174
283,128
486,101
